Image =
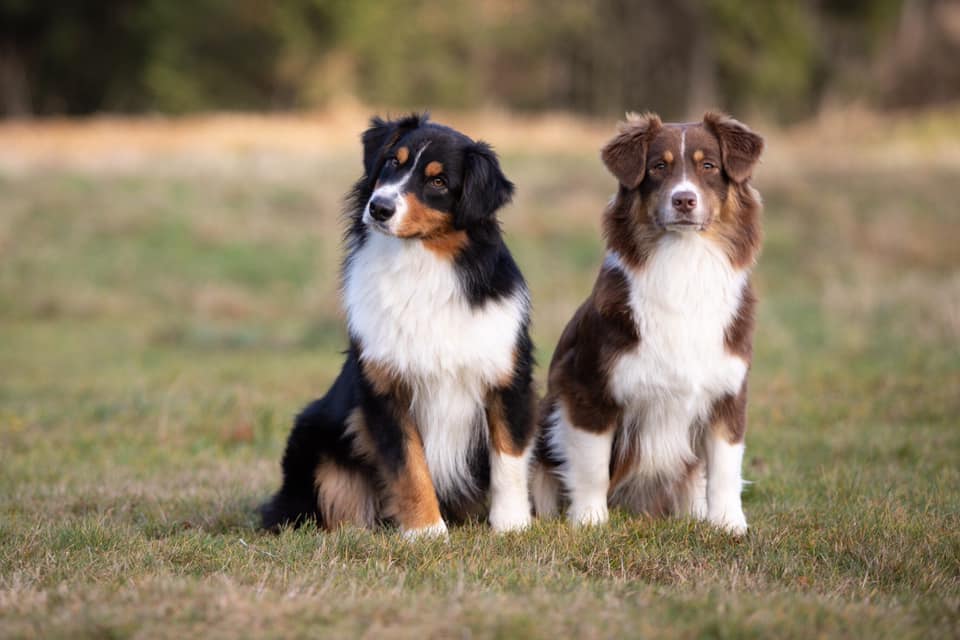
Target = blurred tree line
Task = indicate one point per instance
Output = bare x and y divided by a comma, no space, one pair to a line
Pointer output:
784,59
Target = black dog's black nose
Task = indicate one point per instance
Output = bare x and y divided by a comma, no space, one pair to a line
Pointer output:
685,201
381,209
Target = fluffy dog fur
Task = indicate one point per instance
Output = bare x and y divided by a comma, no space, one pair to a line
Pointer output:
646,405
432,416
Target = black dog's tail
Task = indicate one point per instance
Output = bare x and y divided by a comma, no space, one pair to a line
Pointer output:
283,510
296,501
318,433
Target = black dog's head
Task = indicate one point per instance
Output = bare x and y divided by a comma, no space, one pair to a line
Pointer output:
426,181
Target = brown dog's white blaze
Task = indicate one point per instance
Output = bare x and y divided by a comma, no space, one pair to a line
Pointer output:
646,397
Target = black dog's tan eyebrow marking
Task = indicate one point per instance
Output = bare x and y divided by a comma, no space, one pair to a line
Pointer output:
402,154
433,168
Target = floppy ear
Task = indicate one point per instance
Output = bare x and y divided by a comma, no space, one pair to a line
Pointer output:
626,155
740,148
382,134
485,188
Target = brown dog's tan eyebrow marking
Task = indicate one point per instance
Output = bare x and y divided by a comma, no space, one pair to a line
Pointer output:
402,154
668,156
698,155
433,169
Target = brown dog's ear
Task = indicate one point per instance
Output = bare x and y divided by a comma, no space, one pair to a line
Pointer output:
626,155
740,148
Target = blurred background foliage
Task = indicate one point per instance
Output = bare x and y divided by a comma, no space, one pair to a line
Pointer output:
785,60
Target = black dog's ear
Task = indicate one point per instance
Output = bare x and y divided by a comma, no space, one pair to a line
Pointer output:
485,188
626,155
382,134
740,148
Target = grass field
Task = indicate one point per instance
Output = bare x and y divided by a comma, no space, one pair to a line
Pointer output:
164,314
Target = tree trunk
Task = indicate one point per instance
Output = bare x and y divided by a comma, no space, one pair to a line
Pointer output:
14,89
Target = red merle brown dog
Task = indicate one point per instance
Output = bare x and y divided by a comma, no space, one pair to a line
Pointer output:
646,403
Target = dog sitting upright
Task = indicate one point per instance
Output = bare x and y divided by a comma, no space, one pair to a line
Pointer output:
646,405
433,410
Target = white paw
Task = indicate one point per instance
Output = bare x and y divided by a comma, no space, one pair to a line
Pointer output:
436,530
589,515
733,522
697,509
515,518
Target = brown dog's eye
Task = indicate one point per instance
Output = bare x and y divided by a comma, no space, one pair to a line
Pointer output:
709,165
438,183
660,166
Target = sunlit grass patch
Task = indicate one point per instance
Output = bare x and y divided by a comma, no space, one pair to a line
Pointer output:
158,331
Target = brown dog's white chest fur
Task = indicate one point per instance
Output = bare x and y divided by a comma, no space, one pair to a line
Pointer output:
682,302
646,405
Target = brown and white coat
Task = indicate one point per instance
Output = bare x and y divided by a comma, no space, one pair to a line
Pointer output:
646,400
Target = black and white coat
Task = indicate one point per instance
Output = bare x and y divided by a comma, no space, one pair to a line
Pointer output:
432,416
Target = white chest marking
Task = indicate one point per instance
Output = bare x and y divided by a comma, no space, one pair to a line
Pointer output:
682,300
405,306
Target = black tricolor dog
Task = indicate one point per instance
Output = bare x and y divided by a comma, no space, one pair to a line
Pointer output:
433,411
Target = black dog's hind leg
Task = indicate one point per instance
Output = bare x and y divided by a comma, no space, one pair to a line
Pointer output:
296,501
319,434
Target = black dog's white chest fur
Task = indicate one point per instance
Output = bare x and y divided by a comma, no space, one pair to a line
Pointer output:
406,308
431,419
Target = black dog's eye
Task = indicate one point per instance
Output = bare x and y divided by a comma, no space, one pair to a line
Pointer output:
660,166
438,183
393,162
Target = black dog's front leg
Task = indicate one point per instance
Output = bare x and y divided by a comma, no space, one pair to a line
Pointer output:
511,420
411,497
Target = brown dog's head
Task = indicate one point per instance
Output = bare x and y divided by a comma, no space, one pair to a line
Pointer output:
682,172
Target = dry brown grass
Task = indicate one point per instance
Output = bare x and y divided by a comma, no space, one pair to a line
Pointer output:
844,138
168,301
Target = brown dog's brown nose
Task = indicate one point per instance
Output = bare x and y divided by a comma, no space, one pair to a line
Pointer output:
685,201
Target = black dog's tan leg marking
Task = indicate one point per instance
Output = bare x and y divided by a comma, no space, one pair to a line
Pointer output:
411,497
363,445
344,496
509,467
511,413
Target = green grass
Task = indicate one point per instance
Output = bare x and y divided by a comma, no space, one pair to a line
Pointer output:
158,330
